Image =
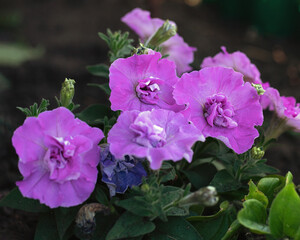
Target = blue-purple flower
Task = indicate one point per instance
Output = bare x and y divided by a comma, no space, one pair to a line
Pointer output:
119,174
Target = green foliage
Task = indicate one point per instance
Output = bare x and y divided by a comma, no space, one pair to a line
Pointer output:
224,182
46,228
96,114
118,43
34,110
99,70
154,200
130,225
285,211
166,172
16,200
176,228
214,226
254,216
104,87
254,193
270,186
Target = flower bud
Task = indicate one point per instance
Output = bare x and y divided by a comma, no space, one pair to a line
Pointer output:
142,50
258,88
145,187
206,196
67,92
164,33
257,153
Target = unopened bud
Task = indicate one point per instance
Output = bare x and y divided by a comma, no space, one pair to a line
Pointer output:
257,153
67,92
164,33
206,196
258,88
145,187
142,50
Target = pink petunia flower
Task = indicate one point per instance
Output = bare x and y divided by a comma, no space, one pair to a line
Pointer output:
142,82
58,157
221,105
157,135
180,52
286,108
238,61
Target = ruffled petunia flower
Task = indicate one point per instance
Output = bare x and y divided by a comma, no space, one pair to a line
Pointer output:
238,61
58,158
142,82
221,105
119,174
286,108
156,135
180,52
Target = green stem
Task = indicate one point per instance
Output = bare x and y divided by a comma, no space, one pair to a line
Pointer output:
233,230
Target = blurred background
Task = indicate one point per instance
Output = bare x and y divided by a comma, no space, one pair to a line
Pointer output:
44,41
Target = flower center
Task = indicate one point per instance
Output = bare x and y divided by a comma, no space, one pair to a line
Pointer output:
147,133
292,109
58,156
218,111
148,89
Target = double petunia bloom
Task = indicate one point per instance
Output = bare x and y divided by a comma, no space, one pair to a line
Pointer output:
58,158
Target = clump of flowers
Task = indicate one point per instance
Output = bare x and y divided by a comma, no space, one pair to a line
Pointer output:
58,157
170,147
221,105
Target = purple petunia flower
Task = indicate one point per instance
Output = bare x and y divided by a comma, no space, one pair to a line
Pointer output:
238,61
285,107
221,105
142,82
157,135
58,157
145,26
119,174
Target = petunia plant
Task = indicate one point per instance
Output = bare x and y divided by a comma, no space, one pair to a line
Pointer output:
178,154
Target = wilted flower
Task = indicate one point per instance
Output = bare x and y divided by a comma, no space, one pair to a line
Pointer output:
221,105
119,174
157,135
238,61
58,157
180,52
142,82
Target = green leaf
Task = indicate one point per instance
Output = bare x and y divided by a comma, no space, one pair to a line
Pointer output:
176,228
254,193
46,228
64,218
99,70
104,87
254,216
284,217
103,226
130,225
34,110
16,200
200,175
95,114
214,226
101,196
224,182
258,170
270,186
137,205
166,172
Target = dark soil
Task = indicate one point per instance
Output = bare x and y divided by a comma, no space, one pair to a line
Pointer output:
67,30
